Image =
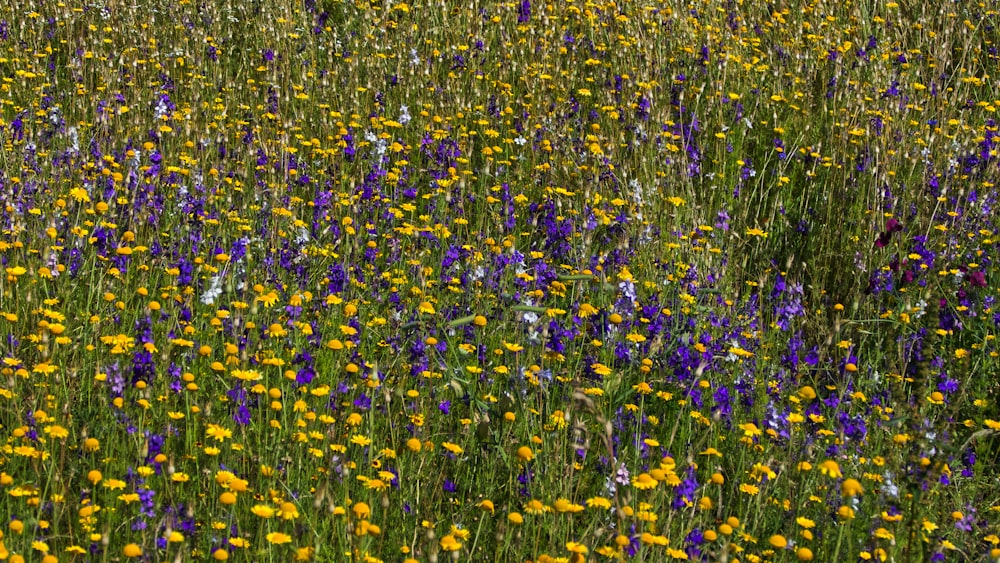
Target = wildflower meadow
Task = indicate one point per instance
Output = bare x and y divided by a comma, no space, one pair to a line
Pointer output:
541,280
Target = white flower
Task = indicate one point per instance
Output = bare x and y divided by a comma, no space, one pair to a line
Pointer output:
213,292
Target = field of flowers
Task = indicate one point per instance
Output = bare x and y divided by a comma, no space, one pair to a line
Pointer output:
535,280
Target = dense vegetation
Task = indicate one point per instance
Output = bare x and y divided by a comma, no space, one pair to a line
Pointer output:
555,281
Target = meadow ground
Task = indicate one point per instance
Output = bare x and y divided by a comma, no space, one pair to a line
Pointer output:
509,281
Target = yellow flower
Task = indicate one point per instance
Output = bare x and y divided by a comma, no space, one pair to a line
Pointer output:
515,518
830,469
486,505
132,550
220,433
599,502
263,510
644,482
56,431
361,510
564,505
851,488
535,506
360,440
884,534
278,538
525,454
601,369
778,541
449,543
80,195
114,484
750,430
575,547
288,511
45,368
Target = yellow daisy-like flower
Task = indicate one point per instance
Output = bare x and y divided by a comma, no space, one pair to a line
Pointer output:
830,469
677,553
453,448
535,506
278,538
576,547
450,543
601,369
263,510
360,440
884,534
114,484
851,488
288,511
56,431
565,505
80,195
750,430
361,510
644,482
599,502
219,433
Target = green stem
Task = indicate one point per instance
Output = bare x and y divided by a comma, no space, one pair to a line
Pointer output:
840,538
